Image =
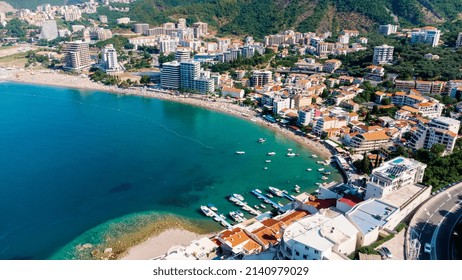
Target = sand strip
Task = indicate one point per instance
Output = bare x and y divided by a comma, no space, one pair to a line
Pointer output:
159,245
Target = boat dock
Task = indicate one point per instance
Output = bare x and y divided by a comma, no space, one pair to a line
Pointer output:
263,197
221,220
288,196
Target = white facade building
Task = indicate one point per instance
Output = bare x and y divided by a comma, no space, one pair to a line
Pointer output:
440,130
426,35
109,58
182,54
388,29
189,71
459,40
326,235
383,54
49,30
393,175
371,216
170,75
261,78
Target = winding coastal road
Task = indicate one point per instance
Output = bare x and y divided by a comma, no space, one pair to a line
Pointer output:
435,221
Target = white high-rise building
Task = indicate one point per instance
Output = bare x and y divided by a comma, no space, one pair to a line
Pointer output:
181,23
189,71
168,46
459,40
170,75
182,54
388,29
426,35
204,85
200,29
49,30
109,58
440,130
76,55
261,78
383,54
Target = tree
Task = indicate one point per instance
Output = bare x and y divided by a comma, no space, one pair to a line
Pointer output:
437,149
364,165
386,101
375,110
145,79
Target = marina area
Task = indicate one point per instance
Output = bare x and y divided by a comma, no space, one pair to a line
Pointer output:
157,179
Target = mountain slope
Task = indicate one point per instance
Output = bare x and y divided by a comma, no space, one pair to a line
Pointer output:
258,17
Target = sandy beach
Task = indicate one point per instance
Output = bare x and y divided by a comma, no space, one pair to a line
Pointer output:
160,244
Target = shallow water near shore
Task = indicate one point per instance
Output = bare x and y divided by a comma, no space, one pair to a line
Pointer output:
90,167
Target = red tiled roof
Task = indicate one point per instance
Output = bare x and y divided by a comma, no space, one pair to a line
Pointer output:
350,200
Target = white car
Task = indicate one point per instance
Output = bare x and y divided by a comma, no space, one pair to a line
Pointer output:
427,248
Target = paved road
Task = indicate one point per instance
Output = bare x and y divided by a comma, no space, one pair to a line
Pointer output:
435,221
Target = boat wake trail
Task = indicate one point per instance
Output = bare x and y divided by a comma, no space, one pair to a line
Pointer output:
185,137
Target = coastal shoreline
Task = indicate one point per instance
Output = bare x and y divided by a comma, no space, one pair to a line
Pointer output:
158,244
222,106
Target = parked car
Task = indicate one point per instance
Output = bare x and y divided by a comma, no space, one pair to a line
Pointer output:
387,252
382,253
427,248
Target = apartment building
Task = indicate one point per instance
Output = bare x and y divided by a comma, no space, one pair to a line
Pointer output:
141,28
305,116
388,29
76,55
459,40
302,100
429,109
383,55
109,59
200,29
170,75
261,78
182,54
331,65
329,126
441,130
405,85
426,35
369,141
323,49
280,103
189,71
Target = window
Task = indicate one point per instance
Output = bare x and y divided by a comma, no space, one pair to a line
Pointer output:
305,257
297,253
316,251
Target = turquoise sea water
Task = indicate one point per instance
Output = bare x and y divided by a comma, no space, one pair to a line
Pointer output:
75,162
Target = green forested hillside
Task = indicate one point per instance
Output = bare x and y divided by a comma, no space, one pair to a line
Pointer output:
261,17
258,17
